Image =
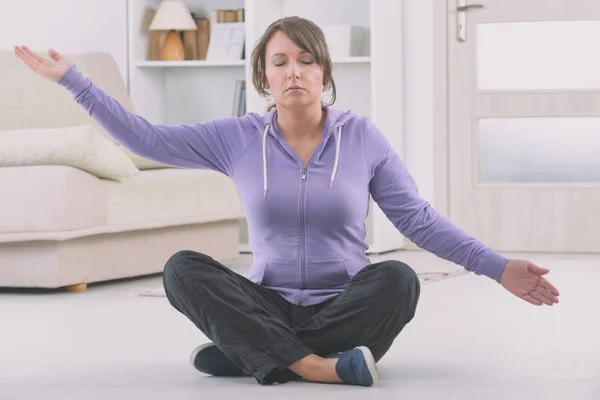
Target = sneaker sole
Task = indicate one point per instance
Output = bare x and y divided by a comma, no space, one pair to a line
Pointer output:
198,350
371,364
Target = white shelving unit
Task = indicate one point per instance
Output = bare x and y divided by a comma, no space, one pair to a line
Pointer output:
240,63
195,91
194,64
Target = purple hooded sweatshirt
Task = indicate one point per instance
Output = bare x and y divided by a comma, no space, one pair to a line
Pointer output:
306,221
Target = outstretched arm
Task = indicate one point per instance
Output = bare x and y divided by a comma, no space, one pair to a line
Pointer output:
210,145
395,191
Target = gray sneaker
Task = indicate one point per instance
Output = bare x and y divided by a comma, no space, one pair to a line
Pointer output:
356,366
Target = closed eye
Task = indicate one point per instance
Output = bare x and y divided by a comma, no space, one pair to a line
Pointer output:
282,63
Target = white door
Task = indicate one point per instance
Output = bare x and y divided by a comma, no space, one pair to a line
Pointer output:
524,123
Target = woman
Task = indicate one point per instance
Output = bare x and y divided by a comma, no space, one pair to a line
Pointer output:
313,307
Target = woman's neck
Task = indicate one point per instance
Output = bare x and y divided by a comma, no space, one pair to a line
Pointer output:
301,123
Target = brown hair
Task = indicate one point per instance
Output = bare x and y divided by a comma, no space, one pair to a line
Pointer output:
306,35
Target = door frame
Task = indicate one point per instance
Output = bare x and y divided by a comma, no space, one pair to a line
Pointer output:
431,176
441,117
426,96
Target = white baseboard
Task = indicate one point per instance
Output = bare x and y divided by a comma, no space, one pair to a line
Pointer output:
245,248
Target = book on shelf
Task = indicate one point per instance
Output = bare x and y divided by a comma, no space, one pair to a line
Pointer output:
202,37
221,16
191,46
239,99
195,43
157,38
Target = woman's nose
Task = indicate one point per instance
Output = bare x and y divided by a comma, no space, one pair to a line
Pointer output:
293,71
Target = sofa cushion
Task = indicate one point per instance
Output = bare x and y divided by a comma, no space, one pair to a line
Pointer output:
30,101
50,198
143,163
168,196
77,146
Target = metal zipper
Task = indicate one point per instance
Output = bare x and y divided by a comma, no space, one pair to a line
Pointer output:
302,233
302,211
303,272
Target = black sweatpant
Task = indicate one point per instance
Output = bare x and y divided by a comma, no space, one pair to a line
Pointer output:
262,333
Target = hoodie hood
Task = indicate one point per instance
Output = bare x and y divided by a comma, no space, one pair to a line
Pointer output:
334,121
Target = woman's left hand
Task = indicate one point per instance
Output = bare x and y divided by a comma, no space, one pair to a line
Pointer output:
524,279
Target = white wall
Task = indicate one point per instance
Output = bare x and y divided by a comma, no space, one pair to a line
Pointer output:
418,42
68,26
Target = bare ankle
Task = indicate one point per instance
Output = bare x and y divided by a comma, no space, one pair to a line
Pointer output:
316,369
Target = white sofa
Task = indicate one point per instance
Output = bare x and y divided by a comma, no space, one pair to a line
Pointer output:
77,208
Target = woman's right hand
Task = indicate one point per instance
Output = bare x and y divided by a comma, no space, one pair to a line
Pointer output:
50,69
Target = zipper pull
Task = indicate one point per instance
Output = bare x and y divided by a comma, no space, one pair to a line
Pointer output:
304,172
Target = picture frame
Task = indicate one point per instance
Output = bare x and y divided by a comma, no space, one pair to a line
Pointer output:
227,42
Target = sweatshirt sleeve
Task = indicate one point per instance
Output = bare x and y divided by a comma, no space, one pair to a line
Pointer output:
395,191
214,145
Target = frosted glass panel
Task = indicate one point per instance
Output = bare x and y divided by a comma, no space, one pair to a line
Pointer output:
539,55
539,150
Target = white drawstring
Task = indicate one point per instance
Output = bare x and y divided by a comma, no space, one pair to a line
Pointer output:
265,160
337,156
335,164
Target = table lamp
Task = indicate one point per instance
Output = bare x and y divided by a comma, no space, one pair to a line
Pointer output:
173,16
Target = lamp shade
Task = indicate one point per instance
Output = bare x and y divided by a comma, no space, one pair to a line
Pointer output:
173,15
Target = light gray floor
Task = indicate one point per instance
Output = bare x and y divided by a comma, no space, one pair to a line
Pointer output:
469,340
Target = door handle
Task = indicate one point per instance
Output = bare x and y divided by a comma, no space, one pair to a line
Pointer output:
468,6
461,21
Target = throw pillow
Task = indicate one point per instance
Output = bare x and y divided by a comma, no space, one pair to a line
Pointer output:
77,146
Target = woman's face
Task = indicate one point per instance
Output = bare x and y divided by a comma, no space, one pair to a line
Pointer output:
293,76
